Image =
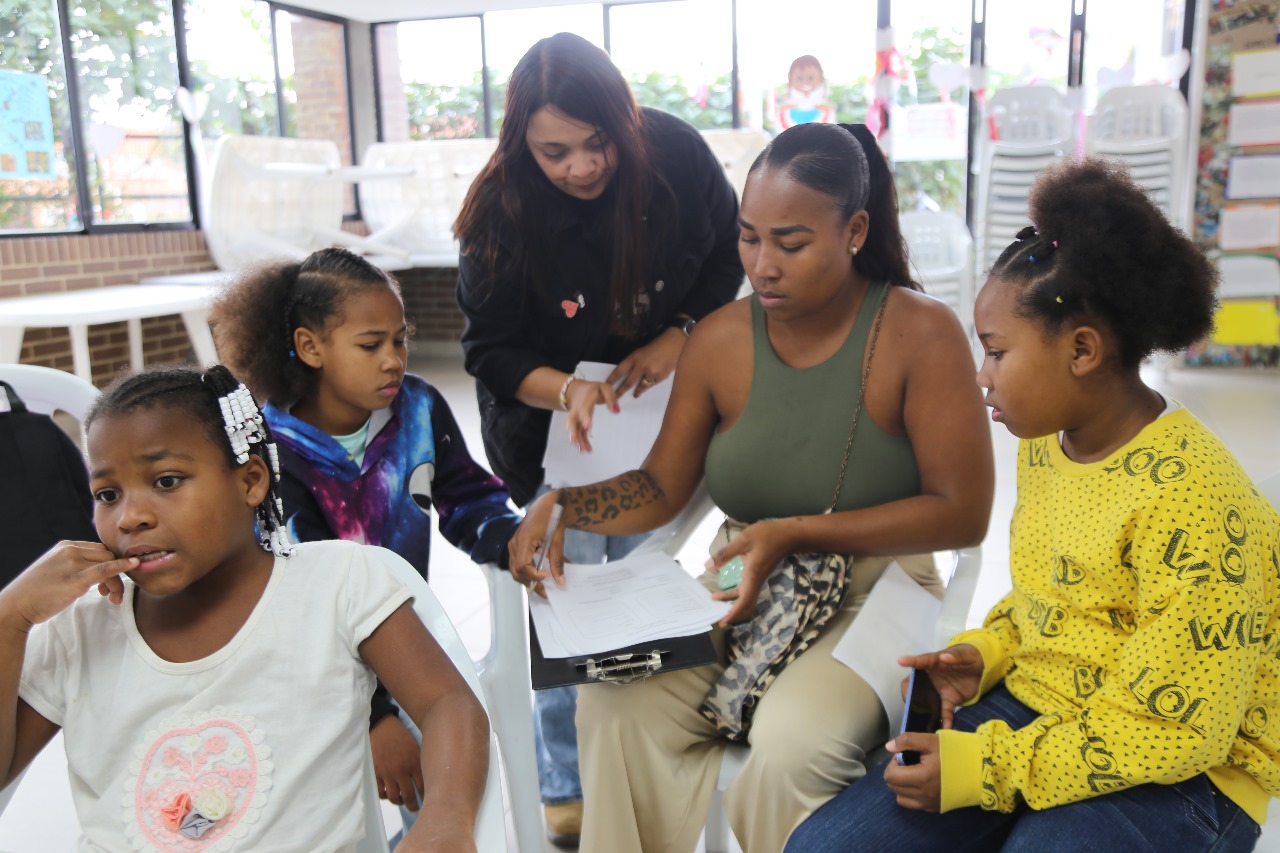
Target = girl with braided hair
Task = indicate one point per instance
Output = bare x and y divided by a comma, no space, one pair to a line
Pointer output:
1126,694
367,450
177,690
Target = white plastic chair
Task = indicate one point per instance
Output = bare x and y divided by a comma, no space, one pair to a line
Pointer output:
1145,127
952,619
504,673
416,214
47,390
279,198
941,250
1270,488
491,833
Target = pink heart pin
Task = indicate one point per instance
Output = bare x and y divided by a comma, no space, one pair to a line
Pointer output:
570,308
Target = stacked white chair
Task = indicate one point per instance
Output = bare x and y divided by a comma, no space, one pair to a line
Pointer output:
416,214
1030,128
940,248
1145,127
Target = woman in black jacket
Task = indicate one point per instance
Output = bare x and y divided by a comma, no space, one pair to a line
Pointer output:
598,231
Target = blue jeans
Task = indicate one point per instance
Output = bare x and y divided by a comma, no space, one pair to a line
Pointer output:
1190,816
554,732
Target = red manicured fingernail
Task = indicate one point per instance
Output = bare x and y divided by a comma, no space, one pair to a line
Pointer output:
616,409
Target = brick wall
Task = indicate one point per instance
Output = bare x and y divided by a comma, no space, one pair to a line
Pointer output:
430,305
31,265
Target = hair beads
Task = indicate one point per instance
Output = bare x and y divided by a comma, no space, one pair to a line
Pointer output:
248,434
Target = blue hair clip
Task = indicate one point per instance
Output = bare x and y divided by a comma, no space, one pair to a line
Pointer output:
293,354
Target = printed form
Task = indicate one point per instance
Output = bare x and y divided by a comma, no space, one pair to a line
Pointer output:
609,606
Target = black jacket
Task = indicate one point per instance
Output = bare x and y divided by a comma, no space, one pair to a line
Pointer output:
512,329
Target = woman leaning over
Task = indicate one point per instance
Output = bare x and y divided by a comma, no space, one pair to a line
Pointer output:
598,231
770,401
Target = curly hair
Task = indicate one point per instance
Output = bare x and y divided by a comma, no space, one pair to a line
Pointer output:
201,395
255,316
845,162
1101,249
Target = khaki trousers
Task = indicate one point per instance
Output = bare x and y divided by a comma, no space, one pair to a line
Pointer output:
650,761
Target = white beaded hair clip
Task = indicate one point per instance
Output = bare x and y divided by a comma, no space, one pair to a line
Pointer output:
243,423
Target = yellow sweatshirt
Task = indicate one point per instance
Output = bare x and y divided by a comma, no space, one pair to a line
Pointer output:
1143,625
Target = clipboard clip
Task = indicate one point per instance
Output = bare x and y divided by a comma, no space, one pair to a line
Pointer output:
624,668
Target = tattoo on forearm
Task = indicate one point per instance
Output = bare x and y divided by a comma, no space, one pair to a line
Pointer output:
586,507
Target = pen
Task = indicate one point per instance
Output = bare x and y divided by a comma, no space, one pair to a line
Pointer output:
552,523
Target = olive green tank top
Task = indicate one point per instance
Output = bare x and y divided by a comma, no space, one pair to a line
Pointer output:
782,456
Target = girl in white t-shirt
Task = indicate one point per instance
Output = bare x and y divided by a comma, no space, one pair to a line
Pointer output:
179,690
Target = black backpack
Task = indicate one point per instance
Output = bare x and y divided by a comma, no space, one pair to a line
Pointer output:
44,493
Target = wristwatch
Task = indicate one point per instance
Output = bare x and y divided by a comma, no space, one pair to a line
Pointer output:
683,323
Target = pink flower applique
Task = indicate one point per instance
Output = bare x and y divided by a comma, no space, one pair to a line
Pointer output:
173,814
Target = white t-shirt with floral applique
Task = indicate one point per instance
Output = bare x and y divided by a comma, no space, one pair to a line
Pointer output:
260,746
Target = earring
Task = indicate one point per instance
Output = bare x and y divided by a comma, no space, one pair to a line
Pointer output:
853,250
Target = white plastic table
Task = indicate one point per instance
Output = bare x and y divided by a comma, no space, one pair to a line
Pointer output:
77,310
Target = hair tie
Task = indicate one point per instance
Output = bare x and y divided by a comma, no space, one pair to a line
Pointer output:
1058,299
1044,252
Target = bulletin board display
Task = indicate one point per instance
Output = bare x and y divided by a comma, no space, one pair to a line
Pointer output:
1237,203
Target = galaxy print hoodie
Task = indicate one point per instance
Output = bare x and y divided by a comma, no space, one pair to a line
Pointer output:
415,459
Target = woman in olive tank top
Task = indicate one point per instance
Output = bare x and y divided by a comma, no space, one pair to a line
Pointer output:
835,416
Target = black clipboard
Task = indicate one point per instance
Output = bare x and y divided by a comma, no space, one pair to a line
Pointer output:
620,665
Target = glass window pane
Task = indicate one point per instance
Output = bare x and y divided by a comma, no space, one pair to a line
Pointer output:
313,74
430,94
778,89
1133,43
125,58
1027,43
240,83
37,163
509,35
678,57
931,119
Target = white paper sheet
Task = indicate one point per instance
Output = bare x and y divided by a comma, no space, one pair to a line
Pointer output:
1249,277
1255,73
612,605
897,619
548,627
1254,124
619,442
1255,226
1255,176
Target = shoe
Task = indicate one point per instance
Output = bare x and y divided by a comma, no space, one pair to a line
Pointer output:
564,823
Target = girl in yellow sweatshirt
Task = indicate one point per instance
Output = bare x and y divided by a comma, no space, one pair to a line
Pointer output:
1126,694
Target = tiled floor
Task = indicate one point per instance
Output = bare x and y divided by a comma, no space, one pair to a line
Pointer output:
1242,407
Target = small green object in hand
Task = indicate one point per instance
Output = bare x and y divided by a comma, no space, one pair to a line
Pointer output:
730,574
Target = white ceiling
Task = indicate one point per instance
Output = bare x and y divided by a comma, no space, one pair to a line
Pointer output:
399,10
